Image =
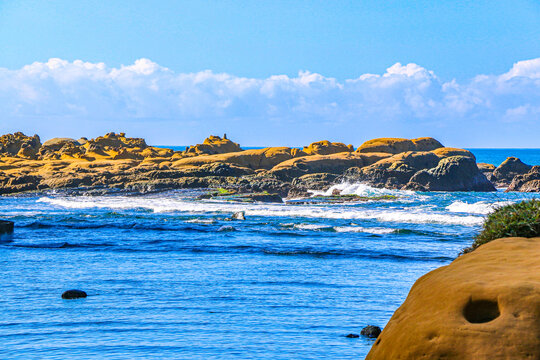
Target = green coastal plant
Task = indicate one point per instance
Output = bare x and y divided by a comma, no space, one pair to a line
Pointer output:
515,220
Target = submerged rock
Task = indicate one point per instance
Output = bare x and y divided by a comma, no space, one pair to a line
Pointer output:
371,331
6,227
352,336
73,294
484,305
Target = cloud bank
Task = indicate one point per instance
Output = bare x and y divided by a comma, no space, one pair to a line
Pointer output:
62,98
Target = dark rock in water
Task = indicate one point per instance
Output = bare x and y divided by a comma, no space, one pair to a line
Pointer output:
352,336
511,167
371,331
318,181
455,173
267,198
240,215
73,294
529,182
6,227
226,228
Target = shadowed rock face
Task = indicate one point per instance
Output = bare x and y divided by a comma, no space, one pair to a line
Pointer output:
529,182
505,173
484,305
456,173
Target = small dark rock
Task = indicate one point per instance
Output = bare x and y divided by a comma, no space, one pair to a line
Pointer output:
240,215
6,227
73,294
352,336
371,331
226,228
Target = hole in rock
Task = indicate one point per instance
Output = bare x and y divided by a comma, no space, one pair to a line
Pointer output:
481,311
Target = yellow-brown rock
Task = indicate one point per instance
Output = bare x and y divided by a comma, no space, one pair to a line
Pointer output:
326,147
484,305
334,164
254,159
20,145
485,167
445,152
398,145
213,145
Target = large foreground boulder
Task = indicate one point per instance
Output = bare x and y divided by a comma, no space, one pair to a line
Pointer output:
529,182
455,173
484,305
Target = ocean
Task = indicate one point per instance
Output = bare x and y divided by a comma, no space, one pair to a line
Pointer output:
169,276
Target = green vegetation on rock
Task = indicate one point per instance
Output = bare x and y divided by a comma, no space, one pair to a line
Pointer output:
516,220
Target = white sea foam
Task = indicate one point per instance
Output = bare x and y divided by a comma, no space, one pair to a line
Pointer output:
311,227
418,215
359,229
201,221
360,189
480,207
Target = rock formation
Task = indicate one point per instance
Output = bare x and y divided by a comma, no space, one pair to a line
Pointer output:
116,162
213,145
455,173
396,145
505,173
484,305
326,147
529,182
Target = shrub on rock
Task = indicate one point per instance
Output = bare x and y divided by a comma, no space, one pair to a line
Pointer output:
515,220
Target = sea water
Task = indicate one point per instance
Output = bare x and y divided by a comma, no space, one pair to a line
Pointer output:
169,276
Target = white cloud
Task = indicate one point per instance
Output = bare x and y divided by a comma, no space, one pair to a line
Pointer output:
78,98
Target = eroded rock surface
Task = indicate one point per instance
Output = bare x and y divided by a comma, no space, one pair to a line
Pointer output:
117,162
484,305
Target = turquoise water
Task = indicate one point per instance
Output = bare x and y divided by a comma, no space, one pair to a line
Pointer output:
169,277
497,156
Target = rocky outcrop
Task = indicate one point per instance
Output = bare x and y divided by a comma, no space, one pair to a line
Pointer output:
326,147
333,164
505,173
213,145
300,186
397,145
456,173
19,145
529,182
121,163
484,305
254,159
393,172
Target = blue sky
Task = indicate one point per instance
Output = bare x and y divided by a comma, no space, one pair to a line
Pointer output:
458,54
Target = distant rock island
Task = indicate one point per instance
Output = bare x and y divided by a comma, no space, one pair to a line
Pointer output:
116,162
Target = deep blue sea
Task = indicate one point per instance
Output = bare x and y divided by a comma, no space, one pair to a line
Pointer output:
168,276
